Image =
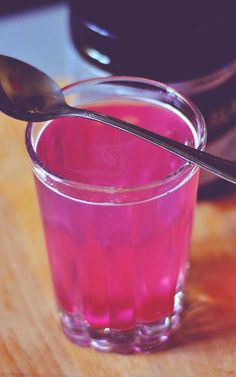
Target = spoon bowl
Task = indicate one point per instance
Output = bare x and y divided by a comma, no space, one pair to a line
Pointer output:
28,94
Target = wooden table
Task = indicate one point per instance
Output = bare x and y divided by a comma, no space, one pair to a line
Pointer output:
31,341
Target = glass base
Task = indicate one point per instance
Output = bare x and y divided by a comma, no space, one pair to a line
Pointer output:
142,338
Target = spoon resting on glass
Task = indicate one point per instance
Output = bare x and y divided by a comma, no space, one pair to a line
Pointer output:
28,94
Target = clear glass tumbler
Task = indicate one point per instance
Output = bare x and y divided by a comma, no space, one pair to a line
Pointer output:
117,212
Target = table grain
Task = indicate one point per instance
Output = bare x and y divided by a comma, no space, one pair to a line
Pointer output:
31,341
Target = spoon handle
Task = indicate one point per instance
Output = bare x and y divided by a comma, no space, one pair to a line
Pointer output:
223,168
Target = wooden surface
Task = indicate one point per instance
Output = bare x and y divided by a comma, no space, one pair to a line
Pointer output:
31,341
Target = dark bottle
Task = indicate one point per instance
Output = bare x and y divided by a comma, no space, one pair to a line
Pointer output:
189,45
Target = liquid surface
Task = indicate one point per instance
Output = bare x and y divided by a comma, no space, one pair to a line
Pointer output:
116,266
94,153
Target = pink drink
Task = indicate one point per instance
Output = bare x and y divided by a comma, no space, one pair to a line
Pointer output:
120,263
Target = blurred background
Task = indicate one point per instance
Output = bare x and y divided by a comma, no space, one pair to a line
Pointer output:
12,6
36,32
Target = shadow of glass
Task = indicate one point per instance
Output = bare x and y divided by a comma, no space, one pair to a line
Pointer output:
210,307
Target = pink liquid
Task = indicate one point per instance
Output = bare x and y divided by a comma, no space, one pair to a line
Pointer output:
117,265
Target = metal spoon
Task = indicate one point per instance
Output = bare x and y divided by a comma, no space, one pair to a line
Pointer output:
28,94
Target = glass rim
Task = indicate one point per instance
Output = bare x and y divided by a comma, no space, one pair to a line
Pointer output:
187,166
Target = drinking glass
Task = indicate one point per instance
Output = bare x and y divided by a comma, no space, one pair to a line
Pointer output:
117,212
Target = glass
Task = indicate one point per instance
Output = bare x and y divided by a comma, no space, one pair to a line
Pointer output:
117,212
